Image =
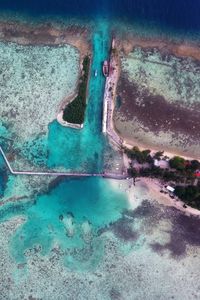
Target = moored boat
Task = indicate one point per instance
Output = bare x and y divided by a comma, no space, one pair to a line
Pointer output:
106,68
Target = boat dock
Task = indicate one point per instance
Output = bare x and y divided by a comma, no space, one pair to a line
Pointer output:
56,174
109,95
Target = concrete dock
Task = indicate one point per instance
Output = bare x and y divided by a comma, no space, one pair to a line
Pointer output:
109,97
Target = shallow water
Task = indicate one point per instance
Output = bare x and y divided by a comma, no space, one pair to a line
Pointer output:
48,220
66,213
175,79
79,239
160,98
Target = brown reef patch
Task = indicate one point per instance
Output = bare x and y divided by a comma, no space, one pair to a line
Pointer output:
46,34
127,42
155,112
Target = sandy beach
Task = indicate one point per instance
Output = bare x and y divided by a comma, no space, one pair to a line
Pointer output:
142,146
147,188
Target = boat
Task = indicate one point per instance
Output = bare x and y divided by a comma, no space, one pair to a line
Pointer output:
106,68
95,73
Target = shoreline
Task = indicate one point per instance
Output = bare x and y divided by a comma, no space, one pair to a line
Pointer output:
131,143
150,187
47,35
154,186
61,121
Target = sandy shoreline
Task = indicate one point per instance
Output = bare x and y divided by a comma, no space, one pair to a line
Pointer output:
133,142
153,186
79,38
147,188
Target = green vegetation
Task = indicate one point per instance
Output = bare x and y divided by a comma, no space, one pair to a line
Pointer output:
177,163
141,156
74,112
158,155
189,194
180,172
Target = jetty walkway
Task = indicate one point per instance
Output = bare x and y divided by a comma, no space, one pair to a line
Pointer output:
67,174
109,94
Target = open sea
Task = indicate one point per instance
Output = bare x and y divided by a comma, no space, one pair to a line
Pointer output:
170,15
79,226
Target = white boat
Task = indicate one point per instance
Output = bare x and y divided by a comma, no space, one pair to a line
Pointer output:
95,73
106,68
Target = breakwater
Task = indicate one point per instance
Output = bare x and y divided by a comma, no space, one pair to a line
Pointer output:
109,96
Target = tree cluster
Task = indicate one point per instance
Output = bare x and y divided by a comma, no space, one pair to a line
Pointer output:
180,171
141,156
74,112
189,194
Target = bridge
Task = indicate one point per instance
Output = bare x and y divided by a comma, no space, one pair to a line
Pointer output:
67,174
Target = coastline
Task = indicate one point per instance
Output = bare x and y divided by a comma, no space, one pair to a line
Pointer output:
52,36
148,188
67,124
153,186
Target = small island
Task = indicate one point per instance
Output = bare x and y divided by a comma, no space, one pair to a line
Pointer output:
73,114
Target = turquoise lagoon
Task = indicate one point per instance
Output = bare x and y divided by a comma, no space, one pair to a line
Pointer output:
64,213
78,238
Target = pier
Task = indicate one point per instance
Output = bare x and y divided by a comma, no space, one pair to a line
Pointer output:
67,174
109,95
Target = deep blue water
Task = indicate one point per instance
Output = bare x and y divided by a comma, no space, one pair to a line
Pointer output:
171,14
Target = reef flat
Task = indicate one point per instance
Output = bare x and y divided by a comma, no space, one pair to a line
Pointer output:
91,238
125,259
34,81
46,33
159,97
